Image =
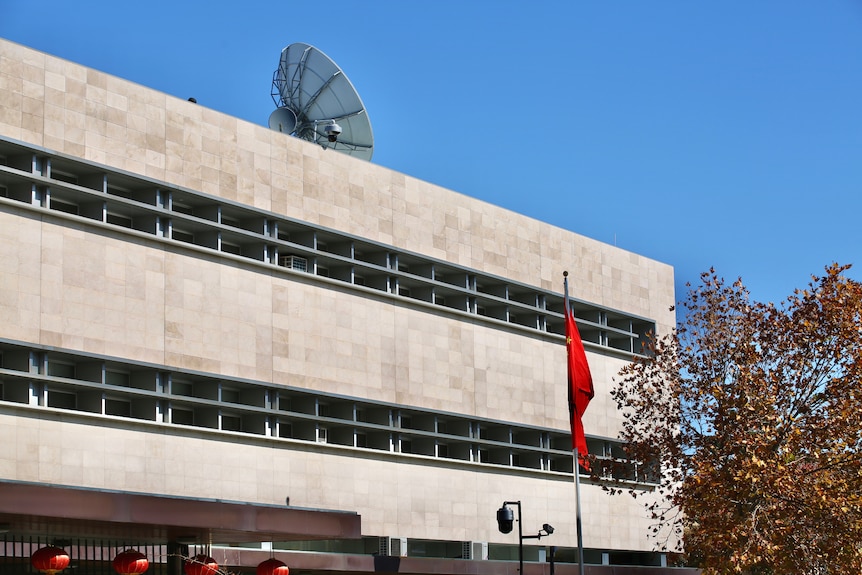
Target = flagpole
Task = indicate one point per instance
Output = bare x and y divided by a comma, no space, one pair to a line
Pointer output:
575,463
578,514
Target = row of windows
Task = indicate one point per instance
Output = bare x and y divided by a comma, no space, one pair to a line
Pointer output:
70,381
474,550
94,556
74,187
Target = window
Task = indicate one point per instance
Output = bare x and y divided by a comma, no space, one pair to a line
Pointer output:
182,208
182,416
230,248
120,407
117,378
231,423
58,369
119,220
179,387
182,236
61,206
64,176
62,399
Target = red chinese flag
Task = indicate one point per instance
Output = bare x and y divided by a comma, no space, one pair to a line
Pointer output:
580,387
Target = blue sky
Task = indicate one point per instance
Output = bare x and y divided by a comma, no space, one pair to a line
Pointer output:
725,134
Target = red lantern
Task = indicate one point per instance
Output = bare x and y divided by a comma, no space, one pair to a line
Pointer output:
272,567
131,562
50,560
201,565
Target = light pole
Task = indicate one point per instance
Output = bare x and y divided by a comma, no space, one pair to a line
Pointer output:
505,519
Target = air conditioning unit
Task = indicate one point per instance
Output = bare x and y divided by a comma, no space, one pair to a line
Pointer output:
398,546
383,546
294,262
474,550
392,546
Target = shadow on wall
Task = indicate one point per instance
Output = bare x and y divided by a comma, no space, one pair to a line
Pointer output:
386,564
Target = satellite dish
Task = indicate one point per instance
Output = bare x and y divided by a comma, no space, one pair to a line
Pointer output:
316,102
282,120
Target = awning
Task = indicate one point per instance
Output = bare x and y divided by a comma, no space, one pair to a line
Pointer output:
33,509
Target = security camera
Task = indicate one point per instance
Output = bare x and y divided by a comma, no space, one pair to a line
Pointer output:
548,529
505,519
332,130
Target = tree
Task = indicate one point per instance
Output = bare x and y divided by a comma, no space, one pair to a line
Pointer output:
754,413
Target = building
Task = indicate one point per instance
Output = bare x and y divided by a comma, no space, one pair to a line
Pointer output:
216,338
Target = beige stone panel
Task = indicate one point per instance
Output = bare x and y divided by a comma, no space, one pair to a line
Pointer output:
217,316
19,443
69,70
97,143
117,106
54,116
13,90
55,80
27,450
97,295
136,120
602,417
30,58
75,101
96,80
14,59
285,175
20,297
